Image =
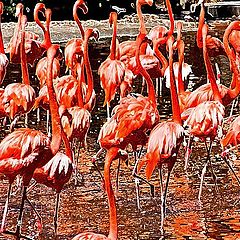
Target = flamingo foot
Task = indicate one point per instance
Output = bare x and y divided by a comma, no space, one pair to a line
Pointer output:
18,236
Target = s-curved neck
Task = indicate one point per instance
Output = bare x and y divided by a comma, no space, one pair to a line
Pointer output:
210,72
200,26
235,84
173,89
113,22
24,67
79,4
181,46
1,37
143,72
110,156
55,117
171,18
139,4
47,37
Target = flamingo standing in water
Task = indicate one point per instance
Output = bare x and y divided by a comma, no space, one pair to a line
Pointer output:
205,119
34,48
56,173
112,70
76,120
132,118
18,98
24,150
165,138
72,58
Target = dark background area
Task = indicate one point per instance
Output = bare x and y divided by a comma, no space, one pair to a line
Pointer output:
98,9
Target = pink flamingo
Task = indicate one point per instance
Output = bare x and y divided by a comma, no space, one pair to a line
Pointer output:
34,49
165,138
112,70
24,150
18,98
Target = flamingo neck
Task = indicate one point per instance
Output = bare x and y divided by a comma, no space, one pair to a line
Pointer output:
1,38
174,97
144,73
210,73
161,58
235,84
171,18
76,18
81,80
181,88
23,57
142,28
110,156
200,26
47,36
68,150
16,36
55,118
113,42
88,71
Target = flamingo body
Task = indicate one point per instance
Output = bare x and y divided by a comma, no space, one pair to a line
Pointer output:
18,98
205,119
3,66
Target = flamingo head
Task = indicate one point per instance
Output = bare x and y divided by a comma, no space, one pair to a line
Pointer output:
19,9
40,7
1,8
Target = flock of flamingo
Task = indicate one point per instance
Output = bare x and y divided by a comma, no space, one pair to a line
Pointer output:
135,120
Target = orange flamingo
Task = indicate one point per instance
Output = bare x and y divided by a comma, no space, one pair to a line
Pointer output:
18,98
112,70
73,58
205,119
24,150
184,68
127,49
3,58
165,138
34,48
56,173
112,154
41,67
214,45
130,120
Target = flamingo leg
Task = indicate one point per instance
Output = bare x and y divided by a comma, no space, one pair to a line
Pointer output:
26,120
48,126
117,177
188,151
13,123
20,216
143,85
108,111
6,208
94,160
226,160
38,115
209,149
56,214
201,183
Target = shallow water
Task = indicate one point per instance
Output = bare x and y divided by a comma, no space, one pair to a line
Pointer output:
84,207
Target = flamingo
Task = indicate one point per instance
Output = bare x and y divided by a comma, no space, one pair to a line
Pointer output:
24,150
18,98
205,119
112,154
165,138
41,66
214,45
132,118
185,68
112,70
56,173
76,120
72,60
34,48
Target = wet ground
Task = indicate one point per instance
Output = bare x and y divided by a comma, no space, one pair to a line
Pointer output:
84,207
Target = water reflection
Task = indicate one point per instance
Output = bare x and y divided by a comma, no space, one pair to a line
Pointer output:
85,207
